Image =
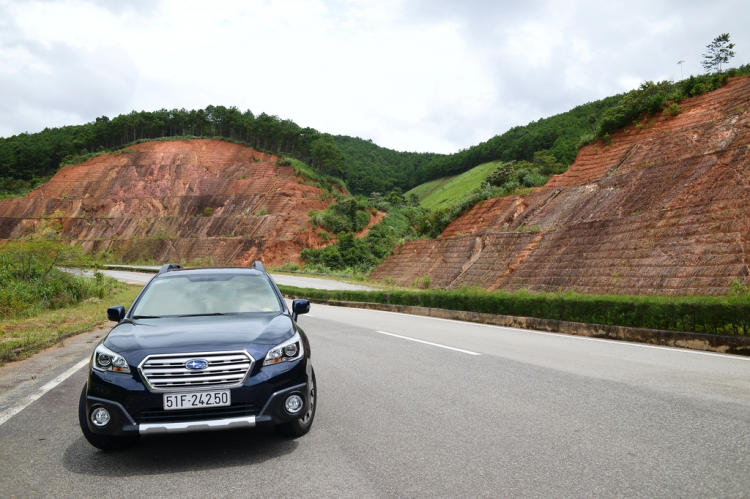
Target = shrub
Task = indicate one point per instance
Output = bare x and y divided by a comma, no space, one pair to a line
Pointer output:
672,110
290,266
501,175
208,211
586,139
16,188
349,215
423,282
738,288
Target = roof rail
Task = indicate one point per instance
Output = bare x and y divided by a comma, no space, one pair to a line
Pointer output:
258,265
167,267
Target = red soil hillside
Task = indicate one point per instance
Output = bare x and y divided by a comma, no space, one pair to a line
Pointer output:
662,210
149,203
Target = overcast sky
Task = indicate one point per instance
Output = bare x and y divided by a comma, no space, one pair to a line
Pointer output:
416,75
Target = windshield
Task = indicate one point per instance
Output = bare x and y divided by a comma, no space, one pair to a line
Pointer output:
207,294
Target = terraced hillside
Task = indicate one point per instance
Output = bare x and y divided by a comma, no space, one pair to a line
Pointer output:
174,200
664,208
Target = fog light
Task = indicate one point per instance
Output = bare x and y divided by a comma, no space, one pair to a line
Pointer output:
100,417
293,404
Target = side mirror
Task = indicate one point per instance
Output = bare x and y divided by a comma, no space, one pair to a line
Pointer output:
116,314
300,306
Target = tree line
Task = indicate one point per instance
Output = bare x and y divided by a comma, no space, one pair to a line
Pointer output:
33,155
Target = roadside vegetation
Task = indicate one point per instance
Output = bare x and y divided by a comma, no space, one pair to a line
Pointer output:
25,336
31,282
728,315
40,302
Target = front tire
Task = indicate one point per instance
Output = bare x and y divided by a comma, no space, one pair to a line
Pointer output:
103,442
301,426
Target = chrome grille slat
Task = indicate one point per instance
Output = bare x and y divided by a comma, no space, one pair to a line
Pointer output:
198,378
182,370
167,372
182,358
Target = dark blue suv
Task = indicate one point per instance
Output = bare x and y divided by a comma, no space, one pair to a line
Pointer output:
200,349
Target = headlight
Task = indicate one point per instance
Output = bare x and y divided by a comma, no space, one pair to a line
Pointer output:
285,352
107,360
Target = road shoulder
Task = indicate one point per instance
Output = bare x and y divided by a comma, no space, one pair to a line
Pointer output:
22,380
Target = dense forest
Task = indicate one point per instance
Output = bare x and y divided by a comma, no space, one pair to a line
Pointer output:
369,168
28,156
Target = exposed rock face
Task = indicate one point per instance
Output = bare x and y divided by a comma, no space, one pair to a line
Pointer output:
149,203
664,209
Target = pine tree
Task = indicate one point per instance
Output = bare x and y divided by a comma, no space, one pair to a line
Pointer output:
719,52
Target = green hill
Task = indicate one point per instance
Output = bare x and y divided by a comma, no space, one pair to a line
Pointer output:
369,168
448,191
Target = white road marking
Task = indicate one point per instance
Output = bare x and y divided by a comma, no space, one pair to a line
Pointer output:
429,343
572,336
9,413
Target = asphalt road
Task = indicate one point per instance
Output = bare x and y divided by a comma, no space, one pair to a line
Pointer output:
468,410
284,279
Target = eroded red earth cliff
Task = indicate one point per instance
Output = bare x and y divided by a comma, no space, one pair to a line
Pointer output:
151,202
664,209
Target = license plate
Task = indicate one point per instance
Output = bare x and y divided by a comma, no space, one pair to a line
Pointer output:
195,400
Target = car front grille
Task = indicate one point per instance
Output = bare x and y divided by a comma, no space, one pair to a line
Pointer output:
241,409
168,372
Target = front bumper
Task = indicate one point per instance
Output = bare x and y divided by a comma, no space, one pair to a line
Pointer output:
136,410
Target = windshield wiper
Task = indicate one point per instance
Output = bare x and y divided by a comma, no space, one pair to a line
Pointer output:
201,315
146,317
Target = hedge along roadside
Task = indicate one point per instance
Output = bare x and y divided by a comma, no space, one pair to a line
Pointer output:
708,315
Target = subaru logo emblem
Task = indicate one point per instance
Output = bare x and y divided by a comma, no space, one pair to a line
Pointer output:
196,364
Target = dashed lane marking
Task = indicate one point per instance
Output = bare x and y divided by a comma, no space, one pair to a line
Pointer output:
429,343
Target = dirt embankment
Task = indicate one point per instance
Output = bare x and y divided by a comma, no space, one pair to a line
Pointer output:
175,200
663,209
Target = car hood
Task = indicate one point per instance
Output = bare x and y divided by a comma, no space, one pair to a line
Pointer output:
143,337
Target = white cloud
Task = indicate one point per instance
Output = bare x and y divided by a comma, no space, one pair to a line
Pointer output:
410,74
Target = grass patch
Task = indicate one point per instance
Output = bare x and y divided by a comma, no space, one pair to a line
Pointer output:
20,338
424,190
454,189
728,315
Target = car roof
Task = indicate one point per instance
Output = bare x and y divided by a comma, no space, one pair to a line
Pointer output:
213,270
